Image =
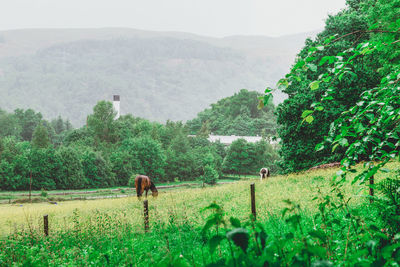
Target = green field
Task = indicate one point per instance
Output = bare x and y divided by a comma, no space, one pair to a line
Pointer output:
111,231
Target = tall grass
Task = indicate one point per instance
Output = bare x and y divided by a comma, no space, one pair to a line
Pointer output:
100,232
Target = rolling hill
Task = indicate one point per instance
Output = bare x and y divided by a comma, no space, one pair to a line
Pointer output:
159,75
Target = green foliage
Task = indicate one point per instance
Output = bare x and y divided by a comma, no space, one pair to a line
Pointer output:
101,122
78,137
96,169
239,158
210,175
43,165
28,121
123,165
235,115
131,182
70,170
309,79
149,154
367,129
107,152
388,204
243,157
40,137
9,125
336,235
180,161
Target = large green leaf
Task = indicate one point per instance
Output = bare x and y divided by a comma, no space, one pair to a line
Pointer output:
240,238
214,242
235,222
314,85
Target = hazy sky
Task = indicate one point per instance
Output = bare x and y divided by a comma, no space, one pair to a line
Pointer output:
206,17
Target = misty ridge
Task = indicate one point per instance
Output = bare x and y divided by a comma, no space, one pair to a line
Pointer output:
159,75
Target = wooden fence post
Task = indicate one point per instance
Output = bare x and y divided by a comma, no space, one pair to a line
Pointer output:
371,189
30,186
253,200
146,215
46,224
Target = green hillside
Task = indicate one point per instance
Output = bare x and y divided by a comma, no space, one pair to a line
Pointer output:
236,115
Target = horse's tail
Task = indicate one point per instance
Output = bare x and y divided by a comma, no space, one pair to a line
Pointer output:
268,173
138,186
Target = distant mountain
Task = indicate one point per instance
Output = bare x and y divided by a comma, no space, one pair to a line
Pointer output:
159,75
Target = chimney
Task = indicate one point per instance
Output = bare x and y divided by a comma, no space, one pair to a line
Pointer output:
116,105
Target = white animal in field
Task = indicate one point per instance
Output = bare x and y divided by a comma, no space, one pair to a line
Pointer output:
264,173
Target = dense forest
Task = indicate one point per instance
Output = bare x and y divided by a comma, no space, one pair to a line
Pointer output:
108,152
236,115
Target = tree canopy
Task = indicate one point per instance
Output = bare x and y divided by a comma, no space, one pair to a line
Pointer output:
236,115
330,69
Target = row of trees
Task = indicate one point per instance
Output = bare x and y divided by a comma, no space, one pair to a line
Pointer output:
107,152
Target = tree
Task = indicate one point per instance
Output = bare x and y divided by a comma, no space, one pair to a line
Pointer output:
180,162
204,130
14,164
171,130
124,165
9,125
79,137
235,115
239,158
40,137
102,123
70,169
298,139
125,126
43,165
369,129
210,175
96,169
28,121
59,125
265,156
148,153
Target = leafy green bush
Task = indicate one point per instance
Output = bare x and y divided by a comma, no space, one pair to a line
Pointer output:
210,175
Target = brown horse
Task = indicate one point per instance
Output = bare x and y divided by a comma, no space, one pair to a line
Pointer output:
143,182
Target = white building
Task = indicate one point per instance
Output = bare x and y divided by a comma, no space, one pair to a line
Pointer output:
116,105
229,139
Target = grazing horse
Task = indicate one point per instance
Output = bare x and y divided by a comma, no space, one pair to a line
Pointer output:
142,182
264,173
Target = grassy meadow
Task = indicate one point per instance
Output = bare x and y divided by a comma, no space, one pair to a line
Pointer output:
176,219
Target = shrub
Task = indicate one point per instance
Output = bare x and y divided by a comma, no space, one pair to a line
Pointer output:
210,175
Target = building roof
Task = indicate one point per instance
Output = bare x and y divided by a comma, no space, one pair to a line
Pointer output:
229,139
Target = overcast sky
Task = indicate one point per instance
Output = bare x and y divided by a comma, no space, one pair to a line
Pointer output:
206,17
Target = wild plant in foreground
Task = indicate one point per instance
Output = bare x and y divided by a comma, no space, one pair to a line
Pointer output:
338,235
